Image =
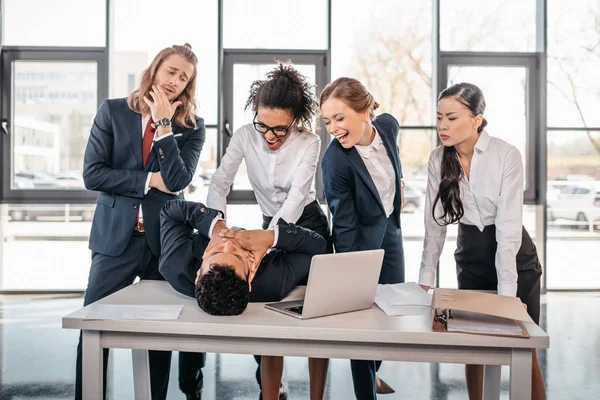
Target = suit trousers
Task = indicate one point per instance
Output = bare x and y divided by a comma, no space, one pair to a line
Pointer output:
111,274
392,271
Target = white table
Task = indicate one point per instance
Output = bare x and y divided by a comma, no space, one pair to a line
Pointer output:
367,334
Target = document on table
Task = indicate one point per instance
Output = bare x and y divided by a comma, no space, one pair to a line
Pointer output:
128,312
403,299
470,322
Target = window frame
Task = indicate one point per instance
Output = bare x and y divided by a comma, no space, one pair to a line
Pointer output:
9,56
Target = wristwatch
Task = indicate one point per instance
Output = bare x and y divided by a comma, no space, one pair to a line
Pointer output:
166,122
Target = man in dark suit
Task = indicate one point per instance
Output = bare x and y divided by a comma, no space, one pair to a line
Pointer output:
193,261
224,269
142,151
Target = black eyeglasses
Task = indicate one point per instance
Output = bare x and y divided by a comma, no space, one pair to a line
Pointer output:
278,131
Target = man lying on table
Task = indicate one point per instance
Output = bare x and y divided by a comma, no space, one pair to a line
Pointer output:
224,268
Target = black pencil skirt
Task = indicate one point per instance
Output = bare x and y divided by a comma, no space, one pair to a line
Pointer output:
476,266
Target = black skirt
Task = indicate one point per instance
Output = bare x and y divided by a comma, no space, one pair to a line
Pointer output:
475,257
312,218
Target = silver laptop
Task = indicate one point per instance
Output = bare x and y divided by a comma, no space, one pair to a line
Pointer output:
337,283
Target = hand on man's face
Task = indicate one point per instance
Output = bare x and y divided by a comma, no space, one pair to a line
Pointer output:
215,239
227,252
256,242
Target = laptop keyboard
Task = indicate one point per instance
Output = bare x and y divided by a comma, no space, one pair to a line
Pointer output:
295,309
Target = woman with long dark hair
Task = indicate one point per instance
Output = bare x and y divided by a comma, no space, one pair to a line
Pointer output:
476,180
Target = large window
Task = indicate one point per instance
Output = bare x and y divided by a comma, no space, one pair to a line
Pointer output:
64,23
391,53
131,56
54,104
493,25
573,144
573,63
134,20
55,76
275,24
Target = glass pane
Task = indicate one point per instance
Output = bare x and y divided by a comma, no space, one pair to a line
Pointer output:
54,23
130,56
573,63
573,209
197,190
390,52
273,24
54,105
504,89
243,76
54,231
493,25
415,147
247,216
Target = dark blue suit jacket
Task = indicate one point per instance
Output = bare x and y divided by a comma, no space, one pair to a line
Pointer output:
182,249
113,166
358,216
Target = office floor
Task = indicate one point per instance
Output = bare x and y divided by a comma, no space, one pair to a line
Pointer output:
38,358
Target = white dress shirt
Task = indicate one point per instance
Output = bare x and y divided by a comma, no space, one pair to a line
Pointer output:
493,195
283,180
380,168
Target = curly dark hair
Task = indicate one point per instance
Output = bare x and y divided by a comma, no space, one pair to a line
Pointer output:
287,89
220,291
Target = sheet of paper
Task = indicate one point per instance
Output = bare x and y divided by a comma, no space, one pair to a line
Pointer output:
468,322
118,312
403,299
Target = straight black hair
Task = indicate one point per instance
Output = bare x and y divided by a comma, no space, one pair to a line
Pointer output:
448,194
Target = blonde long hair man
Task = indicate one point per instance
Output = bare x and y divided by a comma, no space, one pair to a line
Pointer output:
142,152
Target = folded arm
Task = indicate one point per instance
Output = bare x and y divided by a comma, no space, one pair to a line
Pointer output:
178,163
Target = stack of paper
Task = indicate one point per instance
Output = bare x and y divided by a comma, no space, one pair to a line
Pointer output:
118,312
403,299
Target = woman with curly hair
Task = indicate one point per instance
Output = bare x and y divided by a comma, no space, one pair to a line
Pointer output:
280,151
281,155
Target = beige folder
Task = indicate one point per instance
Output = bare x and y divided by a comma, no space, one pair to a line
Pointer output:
478,312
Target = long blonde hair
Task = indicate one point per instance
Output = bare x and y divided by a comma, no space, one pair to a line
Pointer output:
184,114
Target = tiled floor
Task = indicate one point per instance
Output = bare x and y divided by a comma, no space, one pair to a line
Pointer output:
38,357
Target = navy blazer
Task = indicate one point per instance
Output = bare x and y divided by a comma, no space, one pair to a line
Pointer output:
182,249
358,216
113,166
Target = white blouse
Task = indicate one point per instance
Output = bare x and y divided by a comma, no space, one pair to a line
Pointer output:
493,195
382,172
283,180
